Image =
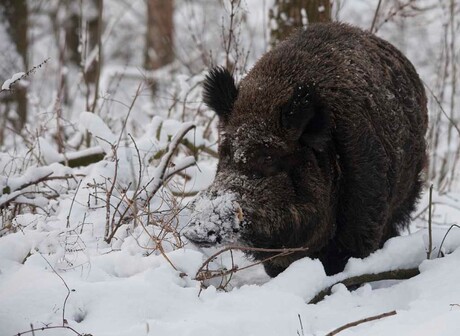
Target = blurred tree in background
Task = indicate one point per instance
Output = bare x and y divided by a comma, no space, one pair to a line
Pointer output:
288,15
159,38
16,15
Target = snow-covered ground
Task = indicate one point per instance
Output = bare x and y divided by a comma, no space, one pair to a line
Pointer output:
57,268
127,293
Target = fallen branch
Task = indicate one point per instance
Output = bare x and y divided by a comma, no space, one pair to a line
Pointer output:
184,194
35,180
11,194
401,274
33,330
364,320
84,161
81,158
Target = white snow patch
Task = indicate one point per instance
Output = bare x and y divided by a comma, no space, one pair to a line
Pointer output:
7,84
97,127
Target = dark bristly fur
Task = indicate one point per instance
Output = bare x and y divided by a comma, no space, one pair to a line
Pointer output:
219,91
323,144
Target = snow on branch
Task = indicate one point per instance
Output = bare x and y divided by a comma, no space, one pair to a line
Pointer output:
10,82
17,189
161,171
98,128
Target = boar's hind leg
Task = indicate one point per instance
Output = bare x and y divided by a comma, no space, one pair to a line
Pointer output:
400,218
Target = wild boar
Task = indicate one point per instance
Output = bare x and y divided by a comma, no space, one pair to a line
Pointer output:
321,146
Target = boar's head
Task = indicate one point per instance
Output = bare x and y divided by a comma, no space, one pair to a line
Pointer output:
274,186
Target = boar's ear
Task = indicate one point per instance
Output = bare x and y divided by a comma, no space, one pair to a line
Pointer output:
220,91
305,118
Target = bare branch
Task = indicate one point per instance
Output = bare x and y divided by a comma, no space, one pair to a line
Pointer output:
376,14
165,159
201,274
445,236
452,122
400,274
33,330
364,320
25,75
430,233
8,197
66,286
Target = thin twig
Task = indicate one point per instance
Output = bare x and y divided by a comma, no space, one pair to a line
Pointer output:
165,159
125,121
453,123
71,204
27,74
109,196
364,320
445,236
393,12
139,161
281,252
65,284
32,331
301,326
207,275
129,202
430,233
375,16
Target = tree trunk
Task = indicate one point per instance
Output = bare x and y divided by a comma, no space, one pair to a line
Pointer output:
72,34
318,11
159,39
288,15
16,14
94,26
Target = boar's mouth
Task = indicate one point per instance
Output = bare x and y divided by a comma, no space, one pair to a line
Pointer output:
216,219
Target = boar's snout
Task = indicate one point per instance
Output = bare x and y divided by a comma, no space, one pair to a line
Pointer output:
216,218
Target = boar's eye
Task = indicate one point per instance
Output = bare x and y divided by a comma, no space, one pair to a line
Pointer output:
266,165
304,117
220,92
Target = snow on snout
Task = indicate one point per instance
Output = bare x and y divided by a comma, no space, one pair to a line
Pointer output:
215,219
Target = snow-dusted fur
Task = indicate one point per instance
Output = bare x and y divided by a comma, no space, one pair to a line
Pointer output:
323,145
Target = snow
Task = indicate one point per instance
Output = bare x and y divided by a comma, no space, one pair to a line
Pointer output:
121,293
17,76
94,124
